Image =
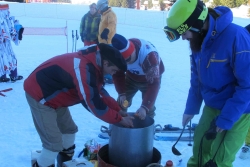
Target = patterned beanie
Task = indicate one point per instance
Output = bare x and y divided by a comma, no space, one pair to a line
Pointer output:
125,46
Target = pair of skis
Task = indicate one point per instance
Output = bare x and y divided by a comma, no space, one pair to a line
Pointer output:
160,133
75,37
171,130
156,137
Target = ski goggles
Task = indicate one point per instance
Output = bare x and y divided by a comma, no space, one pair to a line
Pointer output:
172,34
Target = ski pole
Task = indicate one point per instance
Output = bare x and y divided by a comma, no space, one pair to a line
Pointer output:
77,37
73,40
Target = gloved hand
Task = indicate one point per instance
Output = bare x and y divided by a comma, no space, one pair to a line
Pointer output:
104,34
141,113
186,118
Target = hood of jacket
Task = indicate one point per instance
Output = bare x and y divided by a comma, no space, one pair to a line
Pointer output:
217,25
92,54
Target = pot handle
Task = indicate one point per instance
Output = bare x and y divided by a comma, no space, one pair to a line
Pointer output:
104,129
158,128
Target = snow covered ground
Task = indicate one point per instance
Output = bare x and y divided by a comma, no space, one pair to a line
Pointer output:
17,132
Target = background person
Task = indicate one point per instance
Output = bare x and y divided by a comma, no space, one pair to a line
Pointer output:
219,76
107,28
89,26
55,85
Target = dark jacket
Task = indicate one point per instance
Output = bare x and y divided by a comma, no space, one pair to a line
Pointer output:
89,27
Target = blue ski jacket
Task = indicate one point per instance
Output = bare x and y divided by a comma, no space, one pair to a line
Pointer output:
220,72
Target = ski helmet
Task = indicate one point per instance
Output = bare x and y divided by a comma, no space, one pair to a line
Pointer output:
185,15
101,4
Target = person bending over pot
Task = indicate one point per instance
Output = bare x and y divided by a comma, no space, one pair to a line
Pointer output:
66,80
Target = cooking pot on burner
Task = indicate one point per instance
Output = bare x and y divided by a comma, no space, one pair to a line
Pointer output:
131,147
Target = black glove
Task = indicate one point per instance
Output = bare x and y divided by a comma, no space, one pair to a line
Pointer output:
211,132
105,33
20,34
96,41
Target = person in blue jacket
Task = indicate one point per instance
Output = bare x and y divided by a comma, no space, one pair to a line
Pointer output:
220,78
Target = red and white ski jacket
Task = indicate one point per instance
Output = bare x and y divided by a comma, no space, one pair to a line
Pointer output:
147,68
73,78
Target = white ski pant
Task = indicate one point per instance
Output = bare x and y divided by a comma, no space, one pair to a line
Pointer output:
52,124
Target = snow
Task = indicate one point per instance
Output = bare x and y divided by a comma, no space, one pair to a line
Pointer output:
243,11
18,136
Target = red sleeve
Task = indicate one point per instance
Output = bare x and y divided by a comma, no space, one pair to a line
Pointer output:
151,68
119,82
112,103
95,98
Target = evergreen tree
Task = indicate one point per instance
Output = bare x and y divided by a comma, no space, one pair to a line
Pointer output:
216,3
162,5
132,3
112,2
229,3
117,3
150,4
142,2
241,2
125,4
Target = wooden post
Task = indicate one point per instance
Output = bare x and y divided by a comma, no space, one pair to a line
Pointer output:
137,4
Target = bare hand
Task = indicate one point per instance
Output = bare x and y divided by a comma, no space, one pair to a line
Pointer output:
123,113
141,113
127,121
186,118
219,130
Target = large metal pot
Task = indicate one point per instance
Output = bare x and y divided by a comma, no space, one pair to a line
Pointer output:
131,147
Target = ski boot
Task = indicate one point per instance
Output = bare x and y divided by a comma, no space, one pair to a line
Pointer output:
34,155
65,155
245,152
13,79
4,79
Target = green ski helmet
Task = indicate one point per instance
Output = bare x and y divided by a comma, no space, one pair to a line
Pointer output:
185,15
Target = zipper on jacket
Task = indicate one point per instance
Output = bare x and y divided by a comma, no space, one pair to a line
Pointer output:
215,60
